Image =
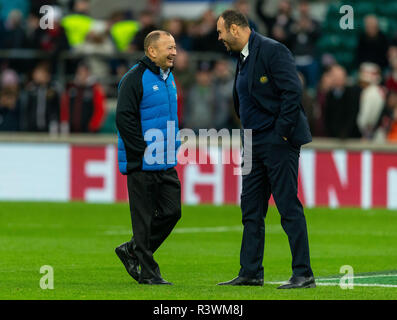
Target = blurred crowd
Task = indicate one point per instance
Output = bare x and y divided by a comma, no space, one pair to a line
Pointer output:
37,96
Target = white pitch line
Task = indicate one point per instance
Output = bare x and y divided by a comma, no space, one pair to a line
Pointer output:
359,284
269,229
208,229
325,284
186,230
361,277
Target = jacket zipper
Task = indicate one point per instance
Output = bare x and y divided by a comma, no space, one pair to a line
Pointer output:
168,97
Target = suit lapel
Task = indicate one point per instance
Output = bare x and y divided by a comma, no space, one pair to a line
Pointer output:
235,98
251,66
253,54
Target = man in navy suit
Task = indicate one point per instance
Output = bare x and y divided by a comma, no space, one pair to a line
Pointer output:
267,99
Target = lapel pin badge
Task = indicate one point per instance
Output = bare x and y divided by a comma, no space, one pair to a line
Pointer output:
263,79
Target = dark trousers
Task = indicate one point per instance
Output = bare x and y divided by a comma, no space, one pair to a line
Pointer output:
155,206
274,171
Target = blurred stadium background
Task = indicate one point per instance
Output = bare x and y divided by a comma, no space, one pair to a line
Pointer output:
58,94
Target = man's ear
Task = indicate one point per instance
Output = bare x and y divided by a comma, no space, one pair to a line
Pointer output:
152,52
234,30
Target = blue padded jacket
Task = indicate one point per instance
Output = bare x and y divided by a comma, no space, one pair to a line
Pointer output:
146,119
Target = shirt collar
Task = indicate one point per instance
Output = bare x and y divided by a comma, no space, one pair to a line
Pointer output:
245,52
164,74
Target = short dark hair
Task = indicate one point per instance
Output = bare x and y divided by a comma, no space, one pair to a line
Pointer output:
234,17
152,37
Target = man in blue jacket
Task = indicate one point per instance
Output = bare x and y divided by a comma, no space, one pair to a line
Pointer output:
267,99
147,124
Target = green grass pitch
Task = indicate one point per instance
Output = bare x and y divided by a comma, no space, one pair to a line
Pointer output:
78,241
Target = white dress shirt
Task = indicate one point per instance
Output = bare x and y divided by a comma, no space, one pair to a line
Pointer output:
245,52
164,74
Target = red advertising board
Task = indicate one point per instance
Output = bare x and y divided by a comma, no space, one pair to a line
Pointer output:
327,178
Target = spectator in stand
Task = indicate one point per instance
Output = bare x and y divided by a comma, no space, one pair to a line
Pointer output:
392,104
323,88
81,7
147,22
7,6
51,40
40,102
34,35
206,38
392,51
308,103
9,106
387,124
176,27
33,32
183,72
341,106
12,33
184,79
372,44
372,99
78,24
198,111
222,105
122,29
304,35
12,36
98,41
120,69
245,8
279,26
54,39
83,103
391,80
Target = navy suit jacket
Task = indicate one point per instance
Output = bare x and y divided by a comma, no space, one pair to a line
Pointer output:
274,86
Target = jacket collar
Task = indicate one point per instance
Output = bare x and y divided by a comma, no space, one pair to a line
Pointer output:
253,41
151,65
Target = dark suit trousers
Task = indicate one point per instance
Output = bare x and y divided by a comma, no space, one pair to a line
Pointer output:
274,171
155,206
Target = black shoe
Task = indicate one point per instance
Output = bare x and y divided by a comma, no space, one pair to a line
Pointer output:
154,281
242,281
129,260
299,283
